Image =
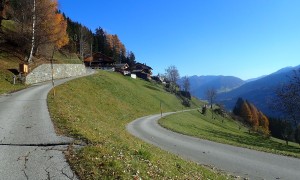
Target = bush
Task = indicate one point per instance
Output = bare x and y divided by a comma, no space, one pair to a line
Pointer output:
186,102
204,110
185,94
262,131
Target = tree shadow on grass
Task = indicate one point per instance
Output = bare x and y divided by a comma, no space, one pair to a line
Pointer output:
256,141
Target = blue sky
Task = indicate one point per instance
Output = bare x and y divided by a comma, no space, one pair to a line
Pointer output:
243,38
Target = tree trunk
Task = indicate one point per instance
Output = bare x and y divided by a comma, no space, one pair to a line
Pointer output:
81,44
33,31
1,12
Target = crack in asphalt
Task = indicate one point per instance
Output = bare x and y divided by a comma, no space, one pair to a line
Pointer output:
48,174
38,145
66,175
64,171
26,158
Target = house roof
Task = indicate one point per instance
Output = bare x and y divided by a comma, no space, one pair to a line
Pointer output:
142,66
121,65
88,59
99,57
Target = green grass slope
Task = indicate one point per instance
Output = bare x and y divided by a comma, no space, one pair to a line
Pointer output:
203,126
61,57
97,109
8,61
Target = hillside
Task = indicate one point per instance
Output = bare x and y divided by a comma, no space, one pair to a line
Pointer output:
8,62
200,84
9,65
259,92
97,109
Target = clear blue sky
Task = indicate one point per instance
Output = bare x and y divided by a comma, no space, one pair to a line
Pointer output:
243,38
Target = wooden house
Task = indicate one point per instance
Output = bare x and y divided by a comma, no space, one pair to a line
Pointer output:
158,79
99,60
122,68
142,71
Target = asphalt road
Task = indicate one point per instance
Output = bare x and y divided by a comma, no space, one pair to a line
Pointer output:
233,160
29,146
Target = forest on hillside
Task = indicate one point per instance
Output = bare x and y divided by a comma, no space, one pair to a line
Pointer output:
37,28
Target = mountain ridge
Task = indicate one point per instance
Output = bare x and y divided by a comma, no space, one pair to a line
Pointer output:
200,84
260,91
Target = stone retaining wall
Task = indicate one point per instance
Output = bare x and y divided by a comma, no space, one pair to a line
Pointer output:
43,72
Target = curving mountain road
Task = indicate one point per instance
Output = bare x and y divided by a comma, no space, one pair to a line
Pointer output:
29,146
238,161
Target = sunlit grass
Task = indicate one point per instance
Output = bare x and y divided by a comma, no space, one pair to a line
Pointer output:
66,58
97,109
203,126
7,62
9,26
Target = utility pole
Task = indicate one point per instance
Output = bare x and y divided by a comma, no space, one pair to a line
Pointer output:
52,72
160,109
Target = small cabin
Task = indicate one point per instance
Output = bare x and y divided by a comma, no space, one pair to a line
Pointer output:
122,68
98,60
142,71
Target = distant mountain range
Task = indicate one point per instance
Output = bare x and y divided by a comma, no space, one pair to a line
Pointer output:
259,91
200,84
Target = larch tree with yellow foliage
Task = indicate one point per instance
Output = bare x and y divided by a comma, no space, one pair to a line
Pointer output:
50,26
41,24
252,116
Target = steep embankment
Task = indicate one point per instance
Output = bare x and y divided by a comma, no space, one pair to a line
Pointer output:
97,109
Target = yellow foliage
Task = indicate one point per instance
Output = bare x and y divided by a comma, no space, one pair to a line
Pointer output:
51,26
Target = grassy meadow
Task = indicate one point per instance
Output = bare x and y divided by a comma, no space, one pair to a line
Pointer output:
193,123
96,109
60,57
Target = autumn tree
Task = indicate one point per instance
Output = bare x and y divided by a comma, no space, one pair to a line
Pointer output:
40,24
211,95
252,116
254,121
172,75
245,112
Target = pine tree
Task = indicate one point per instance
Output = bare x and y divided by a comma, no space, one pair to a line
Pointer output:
237,107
